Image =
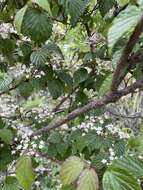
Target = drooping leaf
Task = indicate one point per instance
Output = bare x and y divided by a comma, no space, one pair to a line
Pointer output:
36,25
44,4
5,157
131,164
11,183
117,179
105,6
39,57
19,18
125,21
75,8
5,84
56,88
6,135
88,180
24,172
70,170
80,75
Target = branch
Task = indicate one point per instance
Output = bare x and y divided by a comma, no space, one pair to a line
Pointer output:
123,62
109,98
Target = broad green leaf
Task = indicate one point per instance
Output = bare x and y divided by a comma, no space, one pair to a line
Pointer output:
54,49
117,179
55,138
75,8
88,180
11,183
5,84
56,88
6,135
65,77
105,6
5,157
131,164
125,21
123,2
19,18
24,172
39,57
44,4
120,147
70,170
36,25
80,75
105,85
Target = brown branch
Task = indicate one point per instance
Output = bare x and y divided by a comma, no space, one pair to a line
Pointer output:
122,65
109,98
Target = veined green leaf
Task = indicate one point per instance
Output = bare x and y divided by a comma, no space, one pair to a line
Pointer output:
125,21
19,18
117,179
44,4
88,180
70,170
36,25
6,135
24,172
105,6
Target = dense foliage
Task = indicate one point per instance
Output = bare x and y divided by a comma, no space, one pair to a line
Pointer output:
71,80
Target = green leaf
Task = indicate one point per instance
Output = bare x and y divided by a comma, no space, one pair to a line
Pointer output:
19,18
131,164
10,183
116,179
70,170
125,21
75,8
44,4
56,88
5,84
5,157
80,75
36,25
65,77
6,136
24,172
105,6
55,137
120,147
88,180
105,85
39,57
123,2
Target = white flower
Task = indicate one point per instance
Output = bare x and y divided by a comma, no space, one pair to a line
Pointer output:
104,161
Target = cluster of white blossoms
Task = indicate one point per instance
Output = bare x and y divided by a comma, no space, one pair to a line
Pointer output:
97,124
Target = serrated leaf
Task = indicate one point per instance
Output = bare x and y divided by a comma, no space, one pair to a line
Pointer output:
39,57
5,84
105,6
56,88
125,21
131,164
116,179
55,137
6,135
36,25
88,180
19,18
44,4
80,75
70,170
65,77
76,8
24,172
